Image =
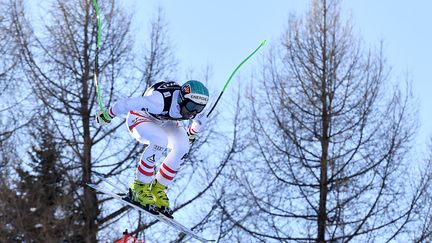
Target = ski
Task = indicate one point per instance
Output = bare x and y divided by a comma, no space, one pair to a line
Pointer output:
171,222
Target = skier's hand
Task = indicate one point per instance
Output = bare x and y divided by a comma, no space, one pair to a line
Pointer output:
103,117
198,123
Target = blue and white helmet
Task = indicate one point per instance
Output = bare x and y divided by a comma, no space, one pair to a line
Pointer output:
193,96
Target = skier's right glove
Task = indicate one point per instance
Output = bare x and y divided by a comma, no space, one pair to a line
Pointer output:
103,117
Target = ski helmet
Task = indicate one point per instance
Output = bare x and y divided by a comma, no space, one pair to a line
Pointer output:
193,96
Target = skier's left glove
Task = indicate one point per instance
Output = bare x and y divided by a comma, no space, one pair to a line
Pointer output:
197,124
103,117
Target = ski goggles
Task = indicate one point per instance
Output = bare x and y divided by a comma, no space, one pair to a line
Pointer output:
192,106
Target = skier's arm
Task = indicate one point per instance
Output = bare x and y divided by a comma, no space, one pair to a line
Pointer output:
152,103
196,126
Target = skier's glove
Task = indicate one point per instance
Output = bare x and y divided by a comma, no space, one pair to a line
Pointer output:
103,117
197,124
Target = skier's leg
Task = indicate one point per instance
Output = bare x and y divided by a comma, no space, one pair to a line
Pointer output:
179,144
156,139
148,132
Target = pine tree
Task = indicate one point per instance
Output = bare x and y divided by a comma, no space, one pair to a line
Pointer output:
40,208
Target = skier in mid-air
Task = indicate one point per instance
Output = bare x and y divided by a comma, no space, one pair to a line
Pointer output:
155,120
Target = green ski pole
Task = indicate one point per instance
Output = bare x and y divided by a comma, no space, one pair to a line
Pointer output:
232,75
96,66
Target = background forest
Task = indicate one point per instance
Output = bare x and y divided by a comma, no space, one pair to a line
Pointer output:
318,143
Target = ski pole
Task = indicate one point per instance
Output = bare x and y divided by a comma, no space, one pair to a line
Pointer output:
96,66
232,75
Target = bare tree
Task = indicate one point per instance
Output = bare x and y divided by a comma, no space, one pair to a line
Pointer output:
422,231
12,93
158,60
58,60
8,50
329,141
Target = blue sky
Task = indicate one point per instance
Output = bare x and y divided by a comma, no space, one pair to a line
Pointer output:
221,33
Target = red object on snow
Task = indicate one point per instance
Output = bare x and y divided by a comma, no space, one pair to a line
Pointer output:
127,238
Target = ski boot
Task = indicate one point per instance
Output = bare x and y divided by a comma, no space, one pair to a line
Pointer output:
161,198
139,194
